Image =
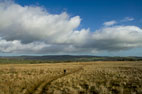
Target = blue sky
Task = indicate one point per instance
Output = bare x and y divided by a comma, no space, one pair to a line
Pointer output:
93,12
75,27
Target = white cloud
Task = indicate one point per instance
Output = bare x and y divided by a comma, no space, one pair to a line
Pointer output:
126,19
118,38
110,23
17,46
31,29
29,24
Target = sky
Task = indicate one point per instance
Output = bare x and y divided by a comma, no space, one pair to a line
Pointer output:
71,27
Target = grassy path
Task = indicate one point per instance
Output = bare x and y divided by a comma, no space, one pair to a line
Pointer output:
42,87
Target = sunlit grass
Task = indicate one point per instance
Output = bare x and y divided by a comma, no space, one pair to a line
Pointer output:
107,77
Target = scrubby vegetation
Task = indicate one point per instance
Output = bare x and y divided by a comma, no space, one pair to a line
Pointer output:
101,77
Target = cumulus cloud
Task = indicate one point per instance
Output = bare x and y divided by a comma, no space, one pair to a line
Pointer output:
29,24
31,29
110,23
118,38
17,46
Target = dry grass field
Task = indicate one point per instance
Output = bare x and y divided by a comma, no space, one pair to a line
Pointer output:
102,77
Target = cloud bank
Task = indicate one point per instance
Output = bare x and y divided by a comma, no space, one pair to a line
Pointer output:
31,29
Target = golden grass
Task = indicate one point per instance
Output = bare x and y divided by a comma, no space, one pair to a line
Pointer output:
102,77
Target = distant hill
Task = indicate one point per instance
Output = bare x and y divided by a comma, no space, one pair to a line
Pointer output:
63,58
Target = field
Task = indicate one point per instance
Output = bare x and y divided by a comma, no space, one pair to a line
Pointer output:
100,77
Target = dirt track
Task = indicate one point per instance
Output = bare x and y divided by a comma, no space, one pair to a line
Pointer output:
42,87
